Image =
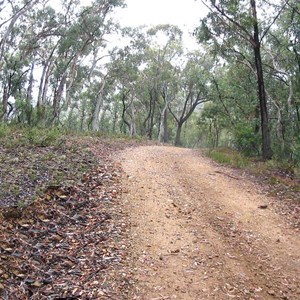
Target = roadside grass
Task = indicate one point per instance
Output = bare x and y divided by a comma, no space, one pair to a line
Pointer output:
32,159
13,136
228,157
282,178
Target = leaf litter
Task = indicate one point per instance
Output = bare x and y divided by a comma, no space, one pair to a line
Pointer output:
71,240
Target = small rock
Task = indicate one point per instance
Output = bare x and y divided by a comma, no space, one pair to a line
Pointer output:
263,206
271,292
175,251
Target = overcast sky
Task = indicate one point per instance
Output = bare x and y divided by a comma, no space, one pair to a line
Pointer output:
184,13
152,12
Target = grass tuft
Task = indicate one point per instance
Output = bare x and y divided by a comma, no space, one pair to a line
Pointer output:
229,157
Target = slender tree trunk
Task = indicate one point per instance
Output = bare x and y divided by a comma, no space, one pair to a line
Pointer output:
3,112
162,126
41,86
178,134
153,101
82,119
124,121
290,100
132,124
115,118
266,140
163,136
166,134
145,126
72,77
217,135
99,104
57,98
43,90
28,108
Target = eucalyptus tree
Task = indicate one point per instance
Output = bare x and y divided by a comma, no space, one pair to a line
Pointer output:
193,90
15,64
238,113
282,69
169,90
210,125
37,36
125,68
162,57
145,69
156,84
84,35
14,10
42,39
230,24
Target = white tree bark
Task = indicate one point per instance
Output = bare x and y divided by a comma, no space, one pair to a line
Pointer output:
99,104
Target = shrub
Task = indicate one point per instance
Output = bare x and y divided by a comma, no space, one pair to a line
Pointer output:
43,137
4,130
229,156
246,140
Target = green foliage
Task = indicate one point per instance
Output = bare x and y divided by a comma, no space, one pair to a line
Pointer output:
295,154
247,140
151,74
228,156
5,130
43,137
220,157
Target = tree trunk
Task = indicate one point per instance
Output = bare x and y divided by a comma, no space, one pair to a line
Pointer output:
99,104
266,140
41,87
162,136
3,112
178,134
28,108
153,101
115,119
166,134
132,123
43,90
57,98
124,121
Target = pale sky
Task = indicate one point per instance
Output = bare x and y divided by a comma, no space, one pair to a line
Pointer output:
153,12
184,13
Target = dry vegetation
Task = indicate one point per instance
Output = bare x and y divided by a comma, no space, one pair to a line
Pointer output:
63,229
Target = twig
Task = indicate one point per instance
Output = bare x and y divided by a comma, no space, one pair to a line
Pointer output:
231,176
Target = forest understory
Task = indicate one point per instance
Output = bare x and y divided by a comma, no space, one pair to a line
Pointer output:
91,218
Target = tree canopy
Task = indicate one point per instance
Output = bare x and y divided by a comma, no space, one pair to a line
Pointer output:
240,88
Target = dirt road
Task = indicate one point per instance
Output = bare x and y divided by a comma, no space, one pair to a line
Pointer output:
200,233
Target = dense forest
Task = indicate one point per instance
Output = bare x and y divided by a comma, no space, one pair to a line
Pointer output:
74,67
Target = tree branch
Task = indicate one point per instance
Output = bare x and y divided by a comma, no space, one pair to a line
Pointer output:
248,37
274,20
